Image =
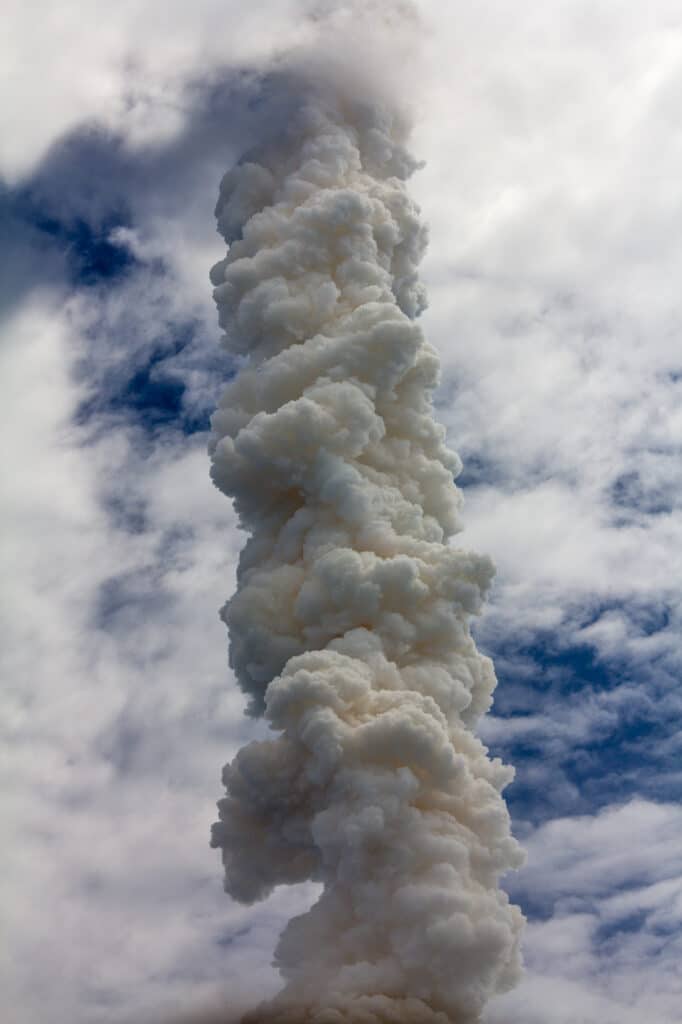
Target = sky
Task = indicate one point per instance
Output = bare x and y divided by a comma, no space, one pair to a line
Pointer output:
550,186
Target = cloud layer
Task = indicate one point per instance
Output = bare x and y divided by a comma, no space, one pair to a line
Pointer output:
551,193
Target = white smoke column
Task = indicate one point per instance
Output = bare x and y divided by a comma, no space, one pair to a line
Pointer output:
349,627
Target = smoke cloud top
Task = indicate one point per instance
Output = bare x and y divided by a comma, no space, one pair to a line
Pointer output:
349,629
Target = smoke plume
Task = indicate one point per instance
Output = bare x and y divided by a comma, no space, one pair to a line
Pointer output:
349,628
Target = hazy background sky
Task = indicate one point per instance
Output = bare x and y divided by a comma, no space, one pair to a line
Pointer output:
553,148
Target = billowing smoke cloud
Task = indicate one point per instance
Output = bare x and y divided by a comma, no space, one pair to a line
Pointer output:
349,629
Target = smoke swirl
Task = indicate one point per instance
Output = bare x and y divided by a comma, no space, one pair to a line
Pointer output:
349,627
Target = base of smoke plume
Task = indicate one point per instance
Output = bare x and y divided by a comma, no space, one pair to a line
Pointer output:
407,1011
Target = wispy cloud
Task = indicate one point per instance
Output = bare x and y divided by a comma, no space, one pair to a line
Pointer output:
604,941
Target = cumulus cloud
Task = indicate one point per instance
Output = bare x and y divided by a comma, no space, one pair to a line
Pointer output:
607,918
552,279
350,621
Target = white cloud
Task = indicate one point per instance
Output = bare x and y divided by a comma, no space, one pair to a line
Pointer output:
117,714
551,188
127,69
607,946
552,278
